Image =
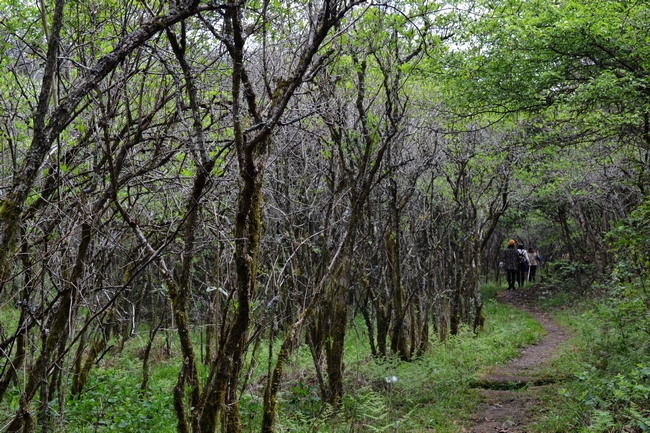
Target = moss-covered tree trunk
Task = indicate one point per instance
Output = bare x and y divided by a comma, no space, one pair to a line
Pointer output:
11,206
332,318
393,239
383,325
273,384
147,352
335,344
423,315
82,369
10,368
398,341
224,373
227,365
365,311
252,150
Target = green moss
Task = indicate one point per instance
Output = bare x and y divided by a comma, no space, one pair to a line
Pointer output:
9,218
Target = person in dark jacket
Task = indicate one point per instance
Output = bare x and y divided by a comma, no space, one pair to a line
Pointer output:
524,263
510,260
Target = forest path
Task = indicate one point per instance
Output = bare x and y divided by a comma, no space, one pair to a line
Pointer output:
512,392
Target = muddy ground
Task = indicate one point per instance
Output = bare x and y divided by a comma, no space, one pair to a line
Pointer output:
512,392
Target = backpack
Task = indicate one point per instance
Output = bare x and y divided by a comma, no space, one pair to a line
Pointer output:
522,257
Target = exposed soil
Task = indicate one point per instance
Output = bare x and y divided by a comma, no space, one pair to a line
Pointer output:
512,392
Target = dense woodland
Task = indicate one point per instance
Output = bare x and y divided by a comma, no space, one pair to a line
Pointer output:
240,180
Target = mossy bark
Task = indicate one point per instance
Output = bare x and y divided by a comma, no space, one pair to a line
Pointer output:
10,219
228,363
454,313
383,326
81,377
398,341
212,329
178,397
11,208
251,153
233,423
179,292
271,392
423,320
370,326
146,354
251,157
79,355
332,323
273,384
334,346
23,422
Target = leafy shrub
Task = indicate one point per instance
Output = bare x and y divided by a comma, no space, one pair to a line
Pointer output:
304,398
629,300
614,390
112,403
570,275
616,403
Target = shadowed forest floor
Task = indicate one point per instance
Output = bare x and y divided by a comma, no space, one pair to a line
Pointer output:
512,392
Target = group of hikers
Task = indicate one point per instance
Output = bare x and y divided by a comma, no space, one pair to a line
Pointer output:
520,264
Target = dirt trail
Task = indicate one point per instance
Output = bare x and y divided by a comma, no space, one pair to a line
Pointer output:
511,391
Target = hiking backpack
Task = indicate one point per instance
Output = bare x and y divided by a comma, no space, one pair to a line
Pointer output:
522,257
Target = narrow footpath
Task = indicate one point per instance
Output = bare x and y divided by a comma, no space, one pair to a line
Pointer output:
511,391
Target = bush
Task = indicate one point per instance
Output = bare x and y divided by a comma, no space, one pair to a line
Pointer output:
113,403
612,392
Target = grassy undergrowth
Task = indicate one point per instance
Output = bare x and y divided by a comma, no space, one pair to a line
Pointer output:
431,393
605,371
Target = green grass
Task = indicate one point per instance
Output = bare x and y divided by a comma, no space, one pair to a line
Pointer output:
602,380
432,393
606,371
